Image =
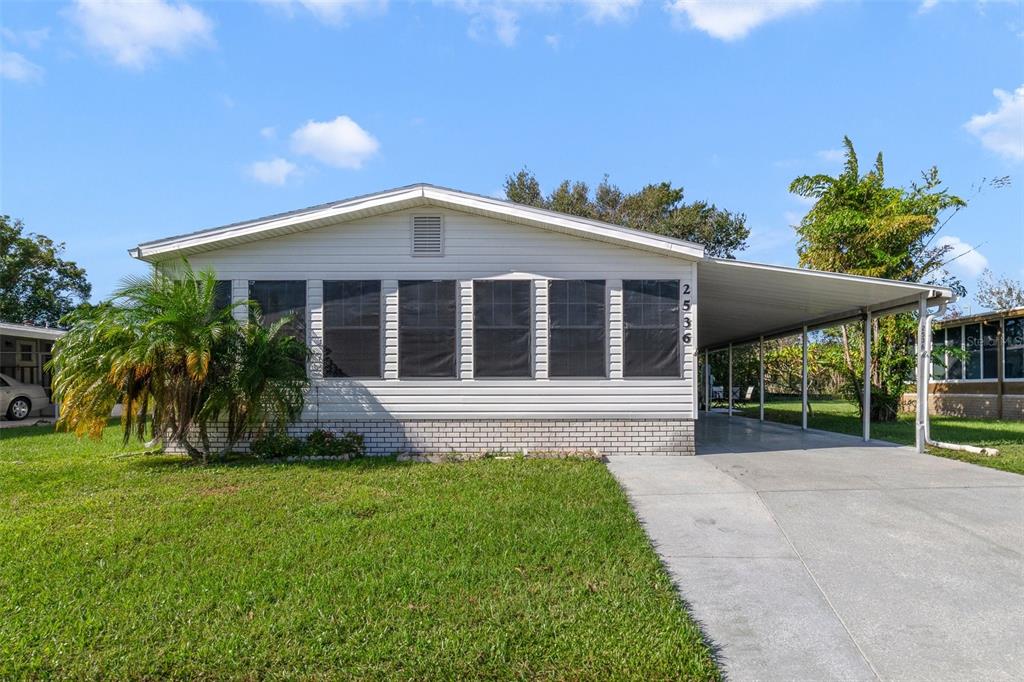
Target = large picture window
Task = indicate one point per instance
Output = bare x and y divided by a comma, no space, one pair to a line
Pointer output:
1014,348
972,346
426,328
650,312
277,299
954,365
990,349
577,328
501,328
352,328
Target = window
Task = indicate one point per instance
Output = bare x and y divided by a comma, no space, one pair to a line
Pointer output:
938,342
972,345
651,316
990,350
1013,348
426,328
577,321
221,294
954,365
501,328
25,352
352,328
278,299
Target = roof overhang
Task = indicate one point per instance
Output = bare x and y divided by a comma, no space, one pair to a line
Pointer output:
415,196
29,331
738,302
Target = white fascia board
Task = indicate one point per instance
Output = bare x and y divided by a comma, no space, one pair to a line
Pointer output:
411,197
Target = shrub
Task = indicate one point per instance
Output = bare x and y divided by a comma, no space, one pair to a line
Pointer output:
277,444
322,443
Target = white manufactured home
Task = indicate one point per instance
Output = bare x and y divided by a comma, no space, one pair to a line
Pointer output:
440,320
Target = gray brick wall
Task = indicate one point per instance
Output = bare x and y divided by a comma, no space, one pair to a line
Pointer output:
606,436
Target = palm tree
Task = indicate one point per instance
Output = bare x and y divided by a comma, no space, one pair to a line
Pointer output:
162,349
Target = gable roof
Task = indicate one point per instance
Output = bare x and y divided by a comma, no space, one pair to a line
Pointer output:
411,196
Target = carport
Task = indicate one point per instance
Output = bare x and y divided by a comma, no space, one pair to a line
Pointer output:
745,303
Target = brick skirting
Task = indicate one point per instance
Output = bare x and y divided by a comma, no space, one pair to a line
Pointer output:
968,405
606,436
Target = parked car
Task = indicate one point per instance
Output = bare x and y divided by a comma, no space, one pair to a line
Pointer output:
18,400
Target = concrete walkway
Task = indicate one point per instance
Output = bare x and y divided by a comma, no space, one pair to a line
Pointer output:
811,556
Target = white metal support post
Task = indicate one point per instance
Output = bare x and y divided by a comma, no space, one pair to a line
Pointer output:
730,379
922,377
803,381
760,377
866,403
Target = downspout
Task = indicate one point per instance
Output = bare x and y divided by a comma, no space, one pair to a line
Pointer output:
927,331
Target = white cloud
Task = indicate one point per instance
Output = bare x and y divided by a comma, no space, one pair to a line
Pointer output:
334,12
16,67
733,19
273,172
967,258
133,33
832,155
553,40
600,11
487,19
1002,130
341,142
926,6
32,39
269,132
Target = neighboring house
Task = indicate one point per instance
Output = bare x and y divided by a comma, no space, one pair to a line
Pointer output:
987,380
24,352
441,320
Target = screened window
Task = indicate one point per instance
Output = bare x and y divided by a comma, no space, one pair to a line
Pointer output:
352,328
954,365
1013,348
650,310
972,345
279,299
577,328
426,328
501,328
221,294
990,350
938,342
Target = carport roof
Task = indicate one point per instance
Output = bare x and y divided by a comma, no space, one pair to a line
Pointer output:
740,301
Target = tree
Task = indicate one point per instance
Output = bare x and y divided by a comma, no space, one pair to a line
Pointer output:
36,284
860,226
163,351
657,208
999,294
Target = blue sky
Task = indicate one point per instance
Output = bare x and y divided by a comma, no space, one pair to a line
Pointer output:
127,122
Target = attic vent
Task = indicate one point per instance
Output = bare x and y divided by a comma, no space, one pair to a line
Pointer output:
427,235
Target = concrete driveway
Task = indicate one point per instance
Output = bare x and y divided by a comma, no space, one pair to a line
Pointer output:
810,556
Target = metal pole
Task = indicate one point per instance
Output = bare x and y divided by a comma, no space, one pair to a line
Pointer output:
760,377
803,382
707,381
730,379
922,383
866,403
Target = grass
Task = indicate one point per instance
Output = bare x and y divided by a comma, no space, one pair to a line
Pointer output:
842,417
147,567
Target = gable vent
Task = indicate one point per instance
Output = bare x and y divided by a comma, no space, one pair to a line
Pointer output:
427,235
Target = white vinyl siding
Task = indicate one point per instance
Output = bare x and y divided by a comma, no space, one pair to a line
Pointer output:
474,248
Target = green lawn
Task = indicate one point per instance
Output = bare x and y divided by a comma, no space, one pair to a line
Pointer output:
842,417
147,567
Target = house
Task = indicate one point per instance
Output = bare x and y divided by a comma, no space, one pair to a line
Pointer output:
24,352
443,320
986,379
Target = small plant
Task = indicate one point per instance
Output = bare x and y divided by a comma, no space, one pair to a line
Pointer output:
277,444
323,443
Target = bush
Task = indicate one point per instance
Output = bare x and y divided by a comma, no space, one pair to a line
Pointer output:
320,443
277,444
